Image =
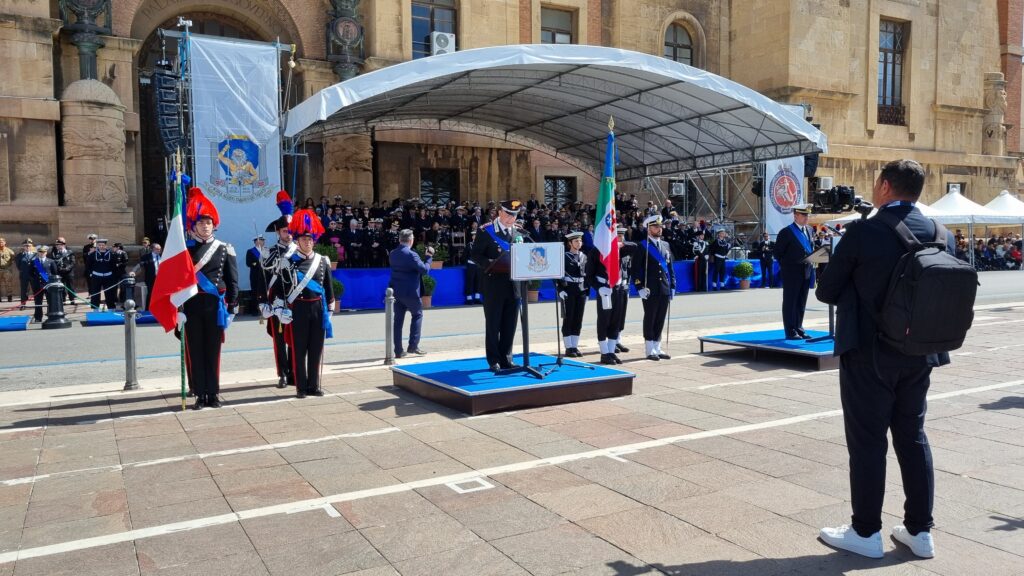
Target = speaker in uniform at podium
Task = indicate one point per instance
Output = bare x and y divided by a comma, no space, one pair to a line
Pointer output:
492,251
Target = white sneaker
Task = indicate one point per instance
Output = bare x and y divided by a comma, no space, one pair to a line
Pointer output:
846,538
921,545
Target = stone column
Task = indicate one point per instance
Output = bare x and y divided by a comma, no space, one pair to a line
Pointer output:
994,131
95,188
1011,50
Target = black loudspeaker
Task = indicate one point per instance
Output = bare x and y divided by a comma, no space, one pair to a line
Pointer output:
810,165
757,187
168,106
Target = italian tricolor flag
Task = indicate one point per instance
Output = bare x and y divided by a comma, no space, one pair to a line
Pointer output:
176,281
605,223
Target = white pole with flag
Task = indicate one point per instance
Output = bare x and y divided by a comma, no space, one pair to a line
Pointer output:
605,239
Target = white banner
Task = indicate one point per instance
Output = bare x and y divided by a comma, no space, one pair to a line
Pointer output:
235,135
784,189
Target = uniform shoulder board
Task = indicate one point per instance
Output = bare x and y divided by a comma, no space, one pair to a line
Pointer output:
488,225
230,249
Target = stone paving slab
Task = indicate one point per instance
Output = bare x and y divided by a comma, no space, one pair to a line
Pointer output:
126,484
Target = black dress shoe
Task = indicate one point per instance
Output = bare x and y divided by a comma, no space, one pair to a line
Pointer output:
801,333
399,354
620,348
616,358
282,382
199,403
664,356
317,392
792,336
607,359
417,352
573,353
653,357
213,401
190,394
300,394
494,367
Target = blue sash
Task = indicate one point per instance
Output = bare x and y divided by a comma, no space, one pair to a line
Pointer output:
42,271
501,243
206,286
657,256
315,287
255,252
804,240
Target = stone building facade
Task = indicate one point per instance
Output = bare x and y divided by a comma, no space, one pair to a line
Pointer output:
80,155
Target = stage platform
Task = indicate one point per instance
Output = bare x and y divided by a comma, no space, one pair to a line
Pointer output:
774,341
115,318
469,386
14,323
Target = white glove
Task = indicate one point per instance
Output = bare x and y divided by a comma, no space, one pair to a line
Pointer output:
671,294
563,295
264,252
330,307
285,316
266,311
604,291
231,318
182,319
644,293
429,251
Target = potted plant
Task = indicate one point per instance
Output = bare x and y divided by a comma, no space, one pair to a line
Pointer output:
339,291
742,272
533,291
440,255
427,293
329,252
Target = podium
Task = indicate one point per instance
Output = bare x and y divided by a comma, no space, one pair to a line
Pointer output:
526,262
821,256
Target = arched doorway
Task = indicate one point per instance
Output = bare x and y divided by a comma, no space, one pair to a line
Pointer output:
153,158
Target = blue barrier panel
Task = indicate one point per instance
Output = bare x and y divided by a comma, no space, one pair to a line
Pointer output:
364,287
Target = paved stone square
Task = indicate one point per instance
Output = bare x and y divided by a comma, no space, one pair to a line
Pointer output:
715,465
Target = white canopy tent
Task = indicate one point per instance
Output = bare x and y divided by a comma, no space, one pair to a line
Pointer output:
1008,205
669,118
955,208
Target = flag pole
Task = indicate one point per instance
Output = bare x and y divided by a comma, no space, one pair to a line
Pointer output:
181,329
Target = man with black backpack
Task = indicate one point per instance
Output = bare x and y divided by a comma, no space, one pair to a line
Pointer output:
903,302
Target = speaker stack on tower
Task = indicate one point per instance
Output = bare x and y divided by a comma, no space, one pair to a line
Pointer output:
168,109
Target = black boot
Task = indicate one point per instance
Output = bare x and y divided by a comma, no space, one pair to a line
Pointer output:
620,348
317,392
213,401
282,382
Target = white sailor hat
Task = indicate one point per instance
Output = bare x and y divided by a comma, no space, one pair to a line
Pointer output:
573,235
620,229
803,208
653,220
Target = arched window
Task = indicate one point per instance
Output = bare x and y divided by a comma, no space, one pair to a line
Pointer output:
678,44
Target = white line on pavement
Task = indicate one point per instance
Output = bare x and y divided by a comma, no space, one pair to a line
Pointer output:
319,503
245,450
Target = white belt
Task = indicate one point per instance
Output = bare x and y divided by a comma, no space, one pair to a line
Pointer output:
102,273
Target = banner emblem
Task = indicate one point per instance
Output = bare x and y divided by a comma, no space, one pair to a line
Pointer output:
784,191
241,171
538,259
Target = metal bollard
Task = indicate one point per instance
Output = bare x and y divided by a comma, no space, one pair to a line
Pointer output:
389,326
131,381
55,306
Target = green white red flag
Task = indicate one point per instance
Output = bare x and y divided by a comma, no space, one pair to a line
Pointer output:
606,222
176,281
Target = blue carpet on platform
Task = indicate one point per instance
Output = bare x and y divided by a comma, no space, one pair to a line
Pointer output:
472,377
364,287
115,318
775,339
14,323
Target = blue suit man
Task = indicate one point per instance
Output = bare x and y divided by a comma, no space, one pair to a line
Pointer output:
406,270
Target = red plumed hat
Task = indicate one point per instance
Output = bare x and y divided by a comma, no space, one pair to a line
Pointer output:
199,206
284,204
305,222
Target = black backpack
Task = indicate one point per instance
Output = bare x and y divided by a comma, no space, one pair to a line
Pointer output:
929,305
